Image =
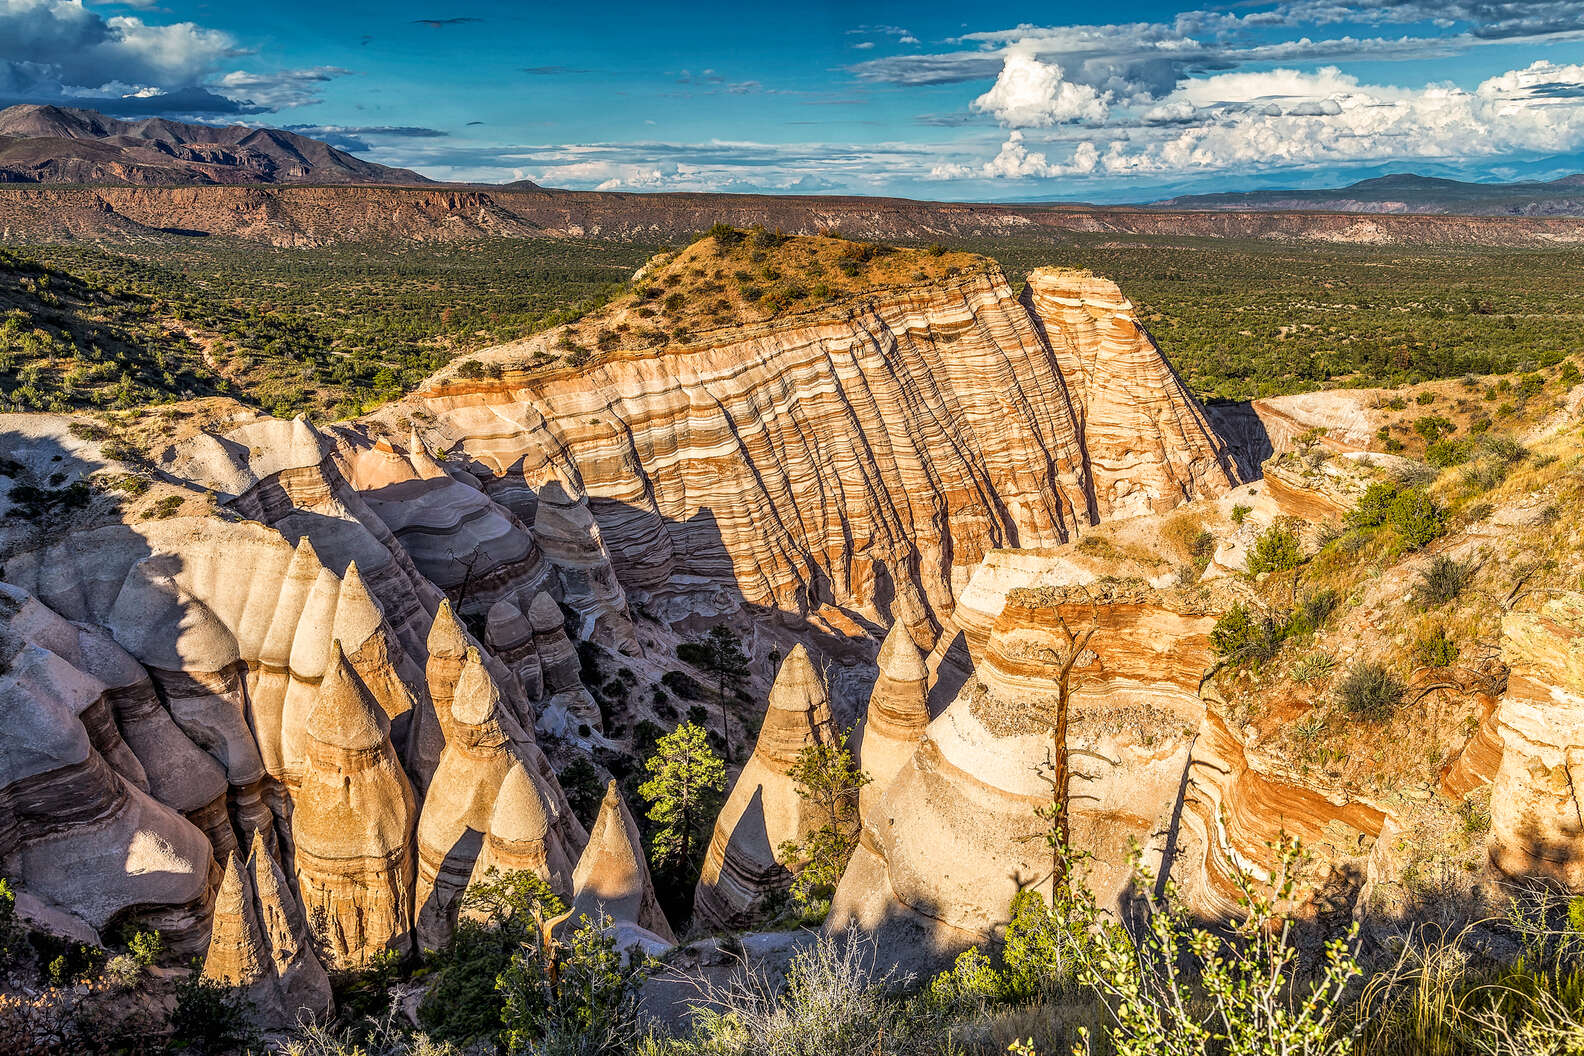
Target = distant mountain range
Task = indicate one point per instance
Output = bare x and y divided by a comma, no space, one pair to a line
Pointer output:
55,145
1405,192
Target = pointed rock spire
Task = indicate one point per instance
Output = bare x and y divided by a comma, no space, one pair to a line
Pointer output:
612,876
742,867
898,714
352,823
345,715
448,646
476,697
799,712
304,985
462,796
520,835
237,952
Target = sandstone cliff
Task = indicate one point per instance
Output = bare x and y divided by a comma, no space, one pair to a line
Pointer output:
865,453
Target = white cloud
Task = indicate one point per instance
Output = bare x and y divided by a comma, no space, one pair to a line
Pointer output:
1015,162
1029,93
281,90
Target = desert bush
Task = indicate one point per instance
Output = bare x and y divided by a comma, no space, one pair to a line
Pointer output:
210,1017
683,685
1278,549
835,1003
1436,649
1241,636
1370,691
1240,511
586,1005
462,1003
384,1035
1443,580
1416,517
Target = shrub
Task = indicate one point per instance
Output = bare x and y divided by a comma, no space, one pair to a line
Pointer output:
1276,550
1436,649
1041,951
724,235
1443,580
471,369
1416,517
828,781
1240,637
699,654
674,302
1312,613
12,934
1370,691
683,685
834,1003
1432,427
1372,507
1424,399
462,1003
1240,511
210,1017
1570,373
586,1005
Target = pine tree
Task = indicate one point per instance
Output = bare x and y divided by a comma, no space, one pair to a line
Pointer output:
730,666
684,789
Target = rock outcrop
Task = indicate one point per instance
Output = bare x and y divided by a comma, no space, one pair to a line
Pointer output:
259,944
865,456
1148,445
1537,799
955,834
352,824
612,877
897,717
745,865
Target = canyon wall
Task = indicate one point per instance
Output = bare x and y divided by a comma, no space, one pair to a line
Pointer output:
865,457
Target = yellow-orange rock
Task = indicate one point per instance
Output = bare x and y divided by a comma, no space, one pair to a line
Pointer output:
612,876
897,717
744,865
1537,799
352,824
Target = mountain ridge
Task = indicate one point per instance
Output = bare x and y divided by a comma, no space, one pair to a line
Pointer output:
52,145
1404,193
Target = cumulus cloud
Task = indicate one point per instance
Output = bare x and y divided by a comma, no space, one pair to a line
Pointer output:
1015,161
1029,93
59,51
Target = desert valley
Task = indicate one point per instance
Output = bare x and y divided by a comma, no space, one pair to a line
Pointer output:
439,618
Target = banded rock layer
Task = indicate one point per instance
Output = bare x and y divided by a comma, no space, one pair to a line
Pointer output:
865,455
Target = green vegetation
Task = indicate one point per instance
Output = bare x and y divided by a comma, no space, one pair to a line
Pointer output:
828,780
1408,510
210,1018
1443,580
327,331
1370,691
1276,550
499,917
686,782
1241,319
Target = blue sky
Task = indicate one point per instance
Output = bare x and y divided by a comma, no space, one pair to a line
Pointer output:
1099,102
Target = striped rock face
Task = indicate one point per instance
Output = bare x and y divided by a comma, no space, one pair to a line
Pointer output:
865,454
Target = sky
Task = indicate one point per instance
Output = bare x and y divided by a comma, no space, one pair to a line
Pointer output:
1104,102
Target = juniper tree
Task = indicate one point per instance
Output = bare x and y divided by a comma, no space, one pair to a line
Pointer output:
828,780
